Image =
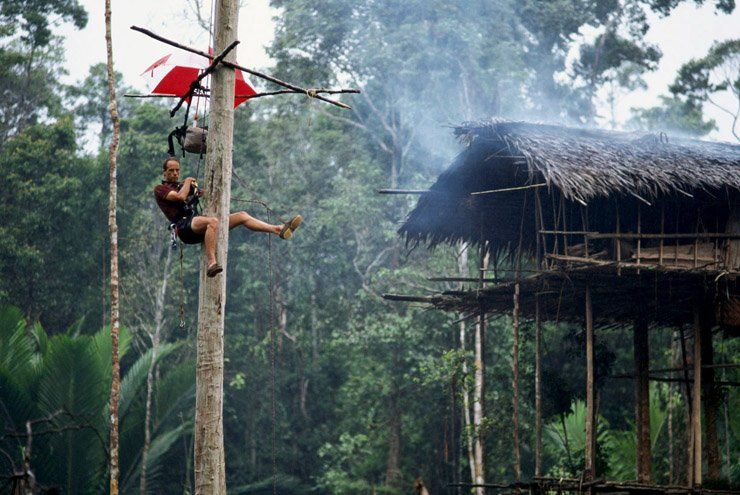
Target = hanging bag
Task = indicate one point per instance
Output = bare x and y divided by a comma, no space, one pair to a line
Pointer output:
195,140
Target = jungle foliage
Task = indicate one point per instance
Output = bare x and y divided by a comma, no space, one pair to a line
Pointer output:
366,393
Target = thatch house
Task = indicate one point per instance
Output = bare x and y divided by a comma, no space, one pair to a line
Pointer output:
608,227
605,201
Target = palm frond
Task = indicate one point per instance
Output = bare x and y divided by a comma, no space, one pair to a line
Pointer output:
135,376
284,485
16,348
161,444
175,392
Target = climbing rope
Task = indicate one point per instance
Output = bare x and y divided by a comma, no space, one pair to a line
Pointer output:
271,322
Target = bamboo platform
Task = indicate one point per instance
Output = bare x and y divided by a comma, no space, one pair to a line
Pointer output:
544,485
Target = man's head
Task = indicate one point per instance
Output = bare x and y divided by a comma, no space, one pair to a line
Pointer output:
171,169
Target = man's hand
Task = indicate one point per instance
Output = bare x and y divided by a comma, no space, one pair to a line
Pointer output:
200,192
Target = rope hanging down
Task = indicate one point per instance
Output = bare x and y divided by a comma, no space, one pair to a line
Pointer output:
271,319
181,134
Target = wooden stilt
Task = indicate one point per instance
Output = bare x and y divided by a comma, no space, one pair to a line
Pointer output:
671,454
538,390
515,350
590,465
618,247
642,400
711,397
542,262
479,373
696,403
515,385
662,232
639,231
687,401
584,226
564,215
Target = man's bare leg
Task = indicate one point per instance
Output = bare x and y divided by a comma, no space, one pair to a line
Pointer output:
244,218
209,227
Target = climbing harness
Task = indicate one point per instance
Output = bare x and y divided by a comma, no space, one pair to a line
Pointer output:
192,139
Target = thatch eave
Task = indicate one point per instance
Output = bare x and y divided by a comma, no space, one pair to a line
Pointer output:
586,163
584,166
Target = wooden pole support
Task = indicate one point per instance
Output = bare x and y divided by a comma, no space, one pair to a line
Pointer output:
642,400
210,463
538,390
590,466
696,402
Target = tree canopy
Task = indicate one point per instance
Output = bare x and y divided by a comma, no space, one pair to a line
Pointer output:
367,394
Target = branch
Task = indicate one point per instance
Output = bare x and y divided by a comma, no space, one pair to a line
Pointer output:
12,464
377,260
360,126
728,112
196,83
363,277
79,426
195,7
407,147
309,92
248,71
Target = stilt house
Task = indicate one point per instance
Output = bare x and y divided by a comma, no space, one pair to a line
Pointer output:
608,229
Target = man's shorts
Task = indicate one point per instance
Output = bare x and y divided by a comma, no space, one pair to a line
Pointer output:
185,231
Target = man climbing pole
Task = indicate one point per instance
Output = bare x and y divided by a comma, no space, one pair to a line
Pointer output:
176,200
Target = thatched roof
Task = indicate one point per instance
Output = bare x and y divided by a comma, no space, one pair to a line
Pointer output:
585,166
585,163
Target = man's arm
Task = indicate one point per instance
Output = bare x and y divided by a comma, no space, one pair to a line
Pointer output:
182,194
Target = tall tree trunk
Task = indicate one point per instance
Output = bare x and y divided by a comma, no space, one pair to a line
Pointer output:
462,269
393,469
642,400
155,337
115,387
538,390
515,382
671,454
210,470
712,400
478,390
590,453
314,320
696,437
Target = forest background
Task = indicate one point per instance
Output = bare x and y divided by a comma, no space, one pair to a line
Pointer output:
367,394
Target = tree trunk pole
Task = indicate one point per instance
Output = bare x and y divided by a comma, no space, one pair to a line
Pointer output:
590,466
155,338
515,382
210,476
469,433
696,403
393,471
642,400
478,389
115,388
538,391
711,400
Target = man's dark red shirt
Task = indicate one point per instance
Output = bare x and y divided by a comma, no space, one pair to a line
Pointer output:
173,210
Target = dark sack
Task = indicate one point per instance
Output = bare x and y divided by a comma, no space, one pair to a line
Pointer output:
195,140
